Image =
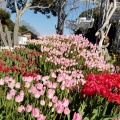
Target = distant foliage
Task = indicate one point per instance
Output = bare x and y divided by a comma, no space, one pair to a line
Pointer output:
5,19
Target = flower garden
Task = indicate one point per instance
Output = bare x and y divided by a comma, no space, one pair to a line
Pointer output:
58,78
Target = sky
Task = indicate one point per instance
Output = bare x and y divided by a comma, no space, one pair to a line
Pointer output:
42,24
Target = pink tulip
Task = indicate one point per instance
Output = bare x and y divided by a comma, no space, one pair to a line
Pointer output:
12,92
27,84
66,111
49,84
77,116
32,89
35,112
52,109
29,79
62,87
24,78
54,99
45,78
6,79
1,82
9,96
39,86
50,93
59,109
50,104
42,92
21,108
28,108
59,79
37,77
41,117
17,85
21,93
36,94
65,102
11,84
18,98
53,75
42,102
54,85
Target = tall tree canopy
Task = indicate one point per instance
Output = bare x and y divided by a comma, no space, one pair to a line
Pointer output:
61,9
41,5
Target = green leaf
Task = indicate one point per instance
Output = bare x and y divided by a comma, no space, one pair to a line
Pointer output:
105,119
86,118
81,112
95,111
1,117
68,116
117,116
112,61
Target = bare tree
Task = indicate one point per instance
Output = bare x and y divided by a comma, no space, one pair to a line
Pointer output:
97,2
67,7
108,11
61,16
29,27
20,8
64,8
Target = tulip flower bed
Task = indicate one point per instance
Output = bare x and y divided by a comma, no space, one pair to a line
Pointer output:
58,78
43,97
19,62
69,53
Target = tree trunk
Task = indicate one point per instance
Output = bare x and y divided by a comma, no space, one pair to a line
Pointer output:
117,39
60,27
101,14
16,31
61,17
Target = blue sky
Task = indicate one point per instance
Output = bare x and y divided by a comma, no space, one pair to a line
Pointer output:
40,22
46,26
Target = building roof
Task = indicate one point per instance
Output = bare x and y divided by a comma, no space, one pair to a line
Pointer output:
28,32
33,36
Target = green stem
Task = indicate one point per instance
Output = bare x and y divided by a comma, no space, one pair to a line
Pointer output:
105,108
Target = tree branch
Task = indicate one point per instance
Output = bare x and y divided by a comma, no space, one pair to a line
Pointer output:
64,3
108,11
108,30
72,8
37,6
102,35
16,7
108,18
2,34
26,6
110,14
